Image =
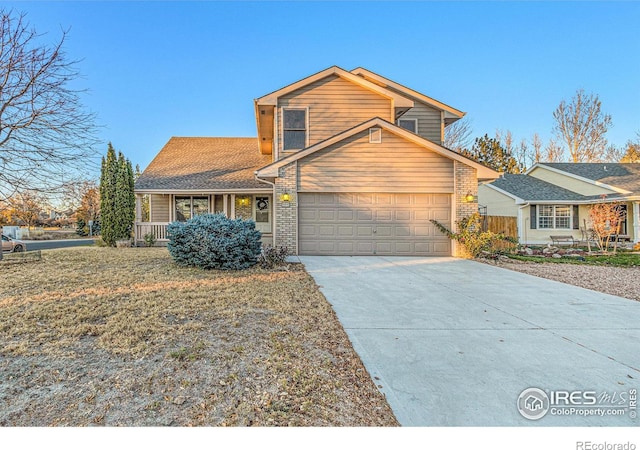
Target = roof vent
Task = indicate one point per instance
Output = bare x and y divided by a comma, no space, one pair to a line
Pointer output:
375,135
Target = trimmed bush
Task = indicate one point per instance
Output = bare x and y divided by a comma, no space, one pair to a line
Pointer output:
475,241
271,257
212,241
150,239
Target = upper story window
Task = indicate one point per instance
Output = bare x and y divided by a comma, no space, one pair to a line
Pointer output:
294,129
409,124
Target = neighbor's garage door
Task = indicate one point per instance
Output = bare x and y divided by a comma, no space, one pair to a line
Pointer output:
373,224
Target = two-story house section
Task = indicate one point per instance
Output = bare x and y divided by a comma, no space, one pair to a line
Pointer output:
345,163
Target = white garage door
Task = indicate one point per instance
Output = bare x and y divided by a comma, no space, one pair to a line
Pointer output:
373,224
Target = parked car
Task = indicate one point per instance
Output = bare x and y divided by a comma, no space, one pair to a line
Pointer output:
12,245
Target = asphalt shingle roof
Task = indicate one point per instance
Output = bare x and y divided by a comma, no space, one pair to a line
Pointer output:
205,163
621,175
530,188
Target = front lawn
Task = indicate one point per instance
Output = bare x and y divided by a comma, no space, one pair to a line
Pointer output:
101,336
621,259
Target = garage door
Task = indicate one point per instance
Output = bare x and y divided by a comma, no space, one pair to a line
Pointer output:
373,224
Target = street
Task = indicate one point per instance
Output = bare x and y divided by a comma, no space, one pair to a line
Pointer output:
60,243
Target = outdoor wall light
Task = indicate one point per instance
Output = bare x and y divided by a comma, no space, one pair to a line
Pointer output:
286,197
469,198
243,201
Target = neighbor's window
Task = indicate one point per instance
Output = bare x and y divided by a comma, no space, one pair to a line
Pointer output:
188,207
294,129
409,124
554,216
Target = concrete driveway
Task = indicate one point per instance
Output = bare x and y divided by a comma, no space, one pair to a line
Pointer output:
456,342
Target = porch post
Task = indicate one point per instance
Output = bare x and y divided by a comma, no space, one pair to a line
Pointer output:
233,206
225,202
138,208
636,222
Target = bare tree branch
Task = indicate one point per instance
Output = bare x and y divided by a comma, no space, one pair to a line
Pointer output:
457,136
46,136
582,127
553,152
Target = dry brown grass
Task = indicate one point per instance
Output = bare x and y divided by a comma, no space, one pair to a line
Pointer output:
100,336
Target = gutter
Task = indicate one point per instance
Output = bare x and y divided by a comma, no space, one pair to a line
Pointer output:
521,228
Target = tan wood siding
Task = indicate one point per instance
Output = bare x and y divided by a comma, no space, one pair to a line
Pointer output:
497,203
429,126
579,186
335,105
159,208
395,165
373,224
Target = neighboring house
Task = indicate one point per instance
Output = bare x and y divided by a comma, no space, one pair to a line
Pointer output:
555,198
61,215
345,163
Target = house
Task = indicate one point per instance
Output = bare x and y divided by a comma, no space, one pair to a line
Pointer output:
553,199
344,163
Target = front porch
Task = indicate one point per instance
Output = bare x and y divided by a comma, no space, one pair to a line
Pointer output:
577,225
155,210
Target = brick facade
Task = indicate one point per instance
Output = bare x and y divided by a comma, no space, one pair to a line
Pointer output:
286,219
466,182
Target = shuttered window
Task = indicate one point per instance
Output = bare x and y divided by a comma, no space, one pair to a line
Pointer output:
555,217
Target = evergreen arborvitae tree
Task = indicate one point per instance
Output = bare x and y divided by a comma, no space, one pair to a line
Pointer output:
117,203
124,199
107,196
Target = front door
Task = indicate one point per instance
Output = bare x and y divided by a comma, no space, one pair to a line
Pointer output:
262,213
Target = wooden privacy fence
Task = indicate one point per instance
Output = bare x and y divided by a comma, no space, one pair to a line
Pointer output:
502,224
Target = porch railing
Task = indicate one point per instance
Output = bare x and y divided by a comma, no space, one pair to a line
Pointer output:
159,230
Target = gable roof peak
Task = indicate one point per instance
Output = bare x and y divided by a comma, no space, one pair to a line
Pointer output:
400,100
451,114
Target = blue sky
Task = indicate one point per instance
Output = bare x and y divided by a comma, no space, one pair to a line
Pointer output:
161,69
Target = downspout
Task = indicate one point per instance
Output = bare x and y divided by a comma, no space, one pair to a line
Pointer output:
636,221
521,228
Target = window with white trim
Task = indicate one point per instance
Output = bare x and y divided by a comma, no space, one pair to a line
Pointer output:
294,129
554,217
409,124
189,206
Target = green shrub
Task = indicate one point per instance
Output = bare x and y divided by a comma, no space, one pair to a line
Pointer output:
474,240
272,256
81,227
149,239
212,241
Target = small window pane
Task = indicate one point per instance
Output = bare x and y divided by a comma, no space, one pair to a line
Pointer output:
183,208
294,119
545,210
200,205
546,222
562,222
294,139
408,124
